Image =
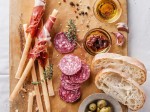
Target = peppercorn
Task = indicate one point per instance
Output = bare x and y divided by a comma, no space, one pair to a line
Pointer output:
77,17
77,4
78,9
87,26
82,13
72,4
86,13
88,7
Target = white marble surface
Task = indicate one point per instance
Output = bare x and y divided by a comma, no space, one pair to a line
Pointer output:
139,45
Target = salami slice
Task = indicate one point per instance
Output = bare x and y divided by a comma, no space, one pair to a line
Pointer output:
69,86
70,64
62,44
79,77
82,75
66,78
69,96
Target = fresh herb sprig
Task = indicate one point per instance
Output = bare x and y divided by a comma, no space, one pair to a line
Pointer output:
48,74
72,31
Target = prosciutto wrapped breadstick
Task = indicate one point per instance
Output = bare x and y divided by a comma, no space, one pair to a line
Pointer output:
34,79
38,49
37,14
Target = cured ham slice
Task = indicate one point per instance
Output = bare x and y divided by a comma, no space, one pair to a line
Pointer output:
36,16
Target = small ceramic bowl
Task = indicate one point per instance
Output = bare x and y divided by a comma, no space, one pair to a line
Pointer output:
98,96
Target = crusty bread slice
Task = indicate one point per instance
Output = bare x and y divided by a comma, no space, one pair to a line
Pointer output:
130,66
120,87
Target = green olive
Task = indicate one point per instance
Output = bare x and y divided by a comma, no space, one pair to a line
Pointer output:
101,104
106,109
92,106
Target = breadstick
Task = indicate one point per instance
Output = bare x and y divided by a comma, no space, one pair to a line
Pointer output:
24,29
22,79
50,83
37,91
38,11
34,79
44,88
30,101
36,48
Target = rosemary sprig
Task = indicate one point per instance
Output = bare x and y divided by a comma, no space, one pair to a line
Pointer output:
48,74
72,31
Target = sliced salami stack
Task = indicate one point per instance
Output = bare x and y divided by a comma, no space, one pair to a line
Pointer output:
74,73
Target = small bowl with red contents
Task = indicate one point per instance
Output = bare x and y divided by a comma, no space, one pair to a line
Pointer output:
97,41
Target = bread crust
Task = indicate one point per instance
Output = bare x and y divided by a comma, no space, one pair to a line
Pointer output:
124,59
128,79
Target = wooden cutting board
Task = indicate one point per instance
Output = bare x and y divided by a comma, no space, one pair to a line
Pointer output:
20,11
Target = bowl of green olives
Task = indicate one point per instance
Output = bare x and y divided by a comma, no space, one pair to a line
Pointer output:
100,102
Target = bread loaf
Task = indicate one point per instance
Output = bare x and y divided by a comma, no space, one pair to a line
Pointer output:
120,87
127,65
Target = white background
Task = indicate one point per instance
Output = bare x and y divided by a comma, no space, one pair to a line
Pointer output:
139,45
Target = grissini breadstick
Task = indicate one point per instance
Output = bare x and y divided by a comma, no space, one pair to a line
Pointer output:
25,26
22,79
37,91
37,14
30,101
34,79
49,82
44,88
35,53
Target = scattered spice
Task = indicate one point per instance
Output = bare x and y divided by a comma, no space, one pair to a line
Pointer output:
64,0
77,5
88,7
72,4
82,13
77,17
86,13
87,26
72,31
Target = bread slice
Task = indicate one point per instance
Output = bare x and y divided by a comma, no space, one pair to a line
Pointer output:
120,87
130,66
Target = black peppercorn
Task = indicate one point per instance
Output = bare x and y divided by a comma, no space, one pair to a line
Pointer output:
88,7
72,4
77,4
86,13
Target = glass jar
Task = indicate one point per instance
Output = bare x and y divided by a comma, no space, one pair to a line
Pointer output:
100,34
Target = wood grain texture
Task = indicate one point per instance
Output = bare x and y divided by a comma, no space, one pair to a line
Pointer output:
20,11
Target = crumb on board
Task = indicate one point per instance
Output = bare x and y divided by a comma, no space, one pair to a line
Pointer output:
16,110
